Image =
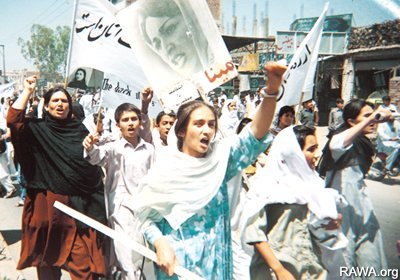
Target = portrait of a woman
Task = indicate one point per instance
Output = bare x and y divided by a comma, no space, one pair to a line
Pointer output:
171,30
79,80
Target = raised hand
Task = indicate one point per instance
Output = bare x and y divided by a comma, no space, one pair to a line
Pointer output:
274,73
30,84
90,140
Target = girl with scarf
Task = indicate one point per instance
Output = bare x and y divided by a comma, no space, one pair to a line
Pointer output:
50,153
287,208
184,200
346,159
229,117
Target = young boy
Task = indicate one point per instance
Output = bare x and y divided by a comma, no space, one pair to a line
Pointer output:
164,123
125,162
336,116
309,114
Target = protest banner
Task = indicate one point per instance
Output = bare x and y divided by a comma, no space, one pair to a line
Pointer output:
7,90
97,42
308,87
114,92
179,48
302,66
123,238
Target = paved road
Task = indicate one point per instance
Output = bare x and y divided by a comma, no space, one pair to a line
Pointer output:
385,196
386,199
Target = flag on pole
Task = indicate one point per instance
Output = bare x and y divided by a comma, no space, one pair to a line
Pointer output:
299,77
309,82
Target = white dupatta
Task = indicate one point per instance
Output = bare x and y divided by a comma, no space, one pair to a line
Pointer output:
178,185
287,178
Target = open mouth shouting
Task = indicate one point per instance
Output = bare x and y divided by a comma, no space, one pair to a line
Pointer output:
205,142
131,129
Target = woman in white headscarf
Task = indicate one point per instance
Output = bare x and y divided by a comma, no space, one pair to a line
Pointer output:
229,119
287,207
184,203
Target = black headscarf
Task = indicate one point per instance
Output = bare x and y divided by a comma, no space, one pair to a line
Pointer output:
51,158
360,154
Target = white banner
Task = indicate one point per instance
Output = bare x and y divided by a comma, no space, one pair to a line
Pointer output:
115,92
179,48
97,42
300,67
308,86
7,90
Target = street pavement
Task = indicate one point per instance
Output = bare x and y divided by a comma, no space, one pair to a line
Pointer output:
385,196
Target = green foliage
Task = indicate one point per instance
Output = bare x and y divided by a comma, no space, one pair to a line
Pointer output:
48,50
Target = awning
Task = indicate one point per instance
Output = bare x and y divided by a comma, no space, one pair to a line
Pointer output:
236,42
376,64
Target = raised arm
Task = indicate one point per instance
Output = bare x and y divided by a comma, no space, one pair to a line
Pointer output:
357,128
146,95
29,88
265,113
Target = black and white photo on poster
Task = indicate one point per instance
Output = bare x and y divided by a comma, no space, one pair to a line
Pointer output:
85,79
178,46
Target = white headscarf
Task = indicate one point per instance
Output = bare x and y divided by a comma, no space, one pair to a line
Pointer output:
287,178
179,185
229,119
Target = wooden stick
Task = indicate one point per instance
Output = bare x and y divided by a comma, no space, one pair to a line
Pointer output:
99,120
123,239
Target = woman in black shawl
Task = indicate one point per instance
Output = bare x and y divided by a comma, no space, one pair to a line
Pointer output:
345,161
79,80
50,153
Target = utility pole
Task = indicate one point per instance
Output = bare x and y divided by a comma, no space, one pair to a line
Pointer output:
4,62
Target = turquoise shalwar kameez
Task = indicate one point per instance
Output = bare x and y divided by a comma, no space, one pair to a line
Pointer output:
202,243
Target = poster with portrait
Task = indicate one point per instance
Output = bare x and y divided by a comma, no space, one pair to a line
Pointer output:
179,48
85,79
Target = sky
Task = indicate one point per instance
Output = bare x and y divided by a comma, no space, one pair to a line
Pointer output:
283,12
17,17
16,20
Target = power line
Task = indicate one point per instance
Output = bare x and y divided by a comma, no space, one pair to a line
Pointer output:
27,27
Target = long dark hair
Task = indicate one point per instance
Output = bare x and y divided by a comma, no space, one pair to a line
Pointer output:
360,153
47,96
183,117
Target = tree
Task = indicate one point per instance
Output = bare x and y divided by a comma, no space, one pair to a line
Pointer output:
48,50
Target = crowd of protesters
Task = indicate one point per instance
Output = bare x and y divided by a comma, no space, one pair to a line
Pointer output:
227,187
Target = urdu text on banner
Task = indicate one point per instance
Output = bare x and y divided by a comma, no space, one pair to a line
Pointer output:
301,69
97,42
